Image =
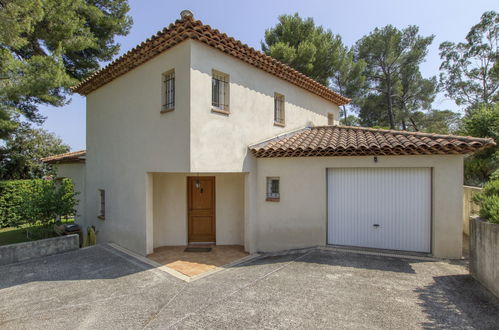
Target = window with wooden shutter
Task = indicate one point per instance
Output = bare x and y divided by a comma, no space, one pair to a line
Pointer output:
220,92
279,110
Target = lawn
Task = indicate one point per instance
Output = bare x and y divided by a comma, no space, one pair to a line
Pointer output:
11,235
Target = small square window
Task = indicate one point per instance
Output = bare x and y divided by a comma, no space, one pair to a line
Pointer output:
279,109
102,204
220,92
330,118
168,100
273,189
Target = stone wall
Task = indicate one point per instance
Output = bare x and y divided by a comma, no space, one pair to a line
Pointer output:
24,251
484,253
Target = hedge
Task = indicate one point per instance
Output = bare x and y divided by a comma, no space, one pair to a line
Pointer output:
22,200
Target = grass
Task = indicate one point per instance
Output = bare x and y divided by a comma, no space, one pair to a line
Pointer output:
11,235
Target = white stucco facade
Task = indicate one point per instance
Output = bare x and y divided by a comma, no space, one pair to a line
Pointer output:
251,117
300,217
132,146
142,159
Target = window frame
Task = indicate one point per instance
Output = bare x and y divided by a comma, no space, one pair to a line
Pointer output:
270,194
330,119
279,110
218,77
168,102
102,204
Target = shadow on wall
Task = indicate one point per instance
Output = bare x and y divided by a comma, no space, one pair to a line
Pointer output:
458,301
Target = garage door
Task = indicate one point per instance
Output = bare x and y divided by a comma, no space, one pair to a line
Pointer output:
384,208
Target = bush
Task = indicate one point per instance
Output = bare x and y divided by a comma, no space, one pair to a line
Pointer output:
30,202
10,201
489,209
488,200
481,122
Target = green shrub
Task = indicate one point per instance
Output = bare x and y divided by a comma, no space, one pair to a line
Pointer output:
10,201
29,202
489,209
488,200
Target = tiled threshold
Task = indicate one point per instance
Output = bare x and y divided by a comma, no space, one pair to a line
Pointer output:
181,268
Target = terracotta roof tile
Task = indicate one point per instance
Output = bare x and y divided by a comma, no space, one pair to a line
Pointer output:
68,157
188,28
361,141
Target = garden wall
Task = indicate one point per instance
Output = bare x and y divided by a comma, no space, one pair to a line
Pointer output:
469,207
28,250
484,253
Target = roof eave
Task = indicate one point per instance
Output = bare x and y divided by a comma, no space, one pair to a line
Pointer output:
465,146
188,28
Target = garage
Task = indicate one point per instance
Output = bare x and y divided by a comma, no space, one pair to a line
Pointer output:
383,208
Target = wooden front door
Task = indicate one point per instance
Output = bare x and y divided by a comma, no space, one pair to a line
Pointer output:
201,209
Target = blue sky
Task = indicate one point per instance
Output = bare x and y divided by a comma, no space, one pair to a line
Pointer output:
247,21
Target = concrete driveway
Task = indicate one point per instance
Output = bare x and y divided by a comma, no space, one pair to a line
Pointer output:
100,288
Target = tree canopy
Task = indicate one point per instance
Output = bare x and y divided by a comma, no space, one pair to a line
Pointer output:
317,53
470,69
308,48
392,58
48,46
348,79
21,154
482,122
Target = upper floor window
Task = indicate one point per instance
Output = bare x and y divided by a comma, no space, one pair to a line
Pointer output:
220,92
168,91
279,109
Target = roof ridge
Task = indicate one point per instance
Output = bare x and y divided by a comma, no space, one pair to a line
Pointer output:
189,28
383,130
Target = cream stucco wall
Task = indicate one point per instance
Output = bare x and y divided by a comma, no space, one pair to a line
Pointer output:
299,219
128,137
170,208
220,142
75,172
129,144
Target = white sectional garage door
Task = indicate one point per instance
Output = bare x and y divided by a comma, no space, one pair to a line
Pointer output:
384,208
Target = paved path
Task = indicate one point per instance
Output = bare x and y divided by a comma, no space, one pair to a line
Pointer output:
101,288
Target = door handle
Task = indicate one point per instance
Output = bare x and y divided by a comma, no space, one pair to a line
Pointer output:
376,225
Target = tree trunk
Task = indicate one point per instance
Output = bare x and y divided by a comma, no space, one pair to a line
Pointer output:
345,114
414,124
390,104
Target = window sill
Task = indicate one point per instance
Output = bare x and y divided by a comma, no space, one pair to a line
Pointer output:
272,199
223,112
101,217
167,110
276,123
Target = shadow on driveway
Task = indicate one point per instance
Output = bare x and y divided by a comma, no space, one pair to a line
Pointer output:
458,301
96,262
101,287
349,260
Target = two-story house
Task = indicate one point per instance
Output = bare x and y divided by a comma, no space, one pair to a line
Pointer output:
194,137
